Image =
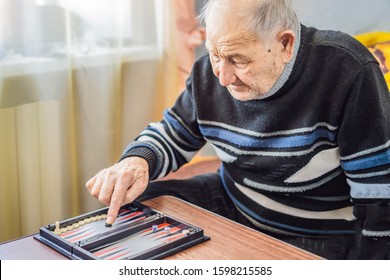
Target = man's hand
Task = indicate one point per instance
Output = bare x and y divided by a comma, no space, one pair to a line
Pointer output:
119,184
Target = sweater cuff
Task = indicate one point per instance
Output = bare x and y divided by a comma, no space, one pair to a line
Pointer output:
144,153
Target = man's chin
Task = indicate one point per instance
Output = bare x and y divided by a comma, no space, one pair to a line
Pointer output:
244,95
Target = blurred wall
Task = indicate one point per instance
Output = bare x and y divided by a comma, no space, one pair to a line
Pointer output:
350,16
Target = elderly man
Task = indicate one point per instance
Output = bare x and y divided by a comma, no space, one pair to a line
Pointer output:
300,119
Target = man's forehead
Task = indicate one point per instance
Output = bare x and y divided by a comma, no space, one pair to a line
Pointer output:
237,38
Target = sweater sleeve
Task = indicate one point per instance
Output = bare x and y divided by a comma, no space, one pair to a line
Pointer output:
172,142
364,140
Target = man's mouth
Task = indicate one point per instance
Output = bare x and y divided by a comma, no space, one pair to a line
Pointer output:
237,86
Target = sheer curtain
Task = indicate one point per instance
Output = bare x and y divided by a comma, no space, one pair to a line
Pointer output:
78,81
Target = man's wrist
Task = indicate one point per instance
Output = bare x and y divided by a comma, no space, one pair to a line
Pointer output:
144,153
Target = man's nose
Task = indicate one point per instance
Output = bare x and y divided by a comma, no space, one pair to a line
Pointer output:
226,74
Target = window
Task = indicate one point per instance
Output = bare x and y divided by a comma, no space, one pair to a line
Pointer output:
37,31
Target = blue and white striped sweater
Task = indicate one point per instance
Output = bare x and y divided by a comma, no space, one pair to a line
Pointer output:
300,160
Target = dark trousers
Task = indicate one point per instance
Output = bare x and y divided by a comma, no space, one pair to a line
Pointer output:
207,192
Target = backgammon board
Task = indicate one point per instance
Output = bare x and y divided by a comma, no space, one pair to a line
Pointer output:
139,232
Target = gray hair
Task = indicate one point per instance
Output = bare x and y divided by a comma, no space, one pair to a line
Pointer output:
264,18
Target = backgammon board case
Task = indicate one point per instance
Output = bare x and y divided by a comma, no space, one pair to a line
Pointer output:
138,233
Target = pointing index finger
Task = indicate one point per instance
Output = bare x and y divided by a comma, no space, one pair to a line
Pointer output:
117,198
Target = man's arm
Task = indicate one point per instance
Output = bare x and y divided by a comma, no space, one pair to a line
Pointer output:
161,147
364,140
119,184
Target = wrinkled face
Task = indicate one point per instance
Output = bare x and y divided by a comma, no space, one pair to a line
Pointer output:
242,63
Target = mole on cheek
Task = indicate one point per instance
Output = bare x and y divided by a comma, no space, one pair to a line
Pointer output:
269,50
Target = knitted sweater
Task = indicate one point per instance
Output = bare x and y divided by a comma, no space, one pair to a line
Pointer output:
306,160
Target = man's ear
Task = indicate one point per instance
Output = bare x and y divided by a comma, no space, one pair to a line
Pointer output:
287,39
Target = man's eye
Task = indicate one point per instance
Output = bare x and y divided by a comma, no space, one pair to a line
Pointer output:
215,58
239,62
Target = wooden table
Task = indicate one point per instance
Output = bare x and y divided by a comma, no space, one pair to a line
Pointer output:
229,240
